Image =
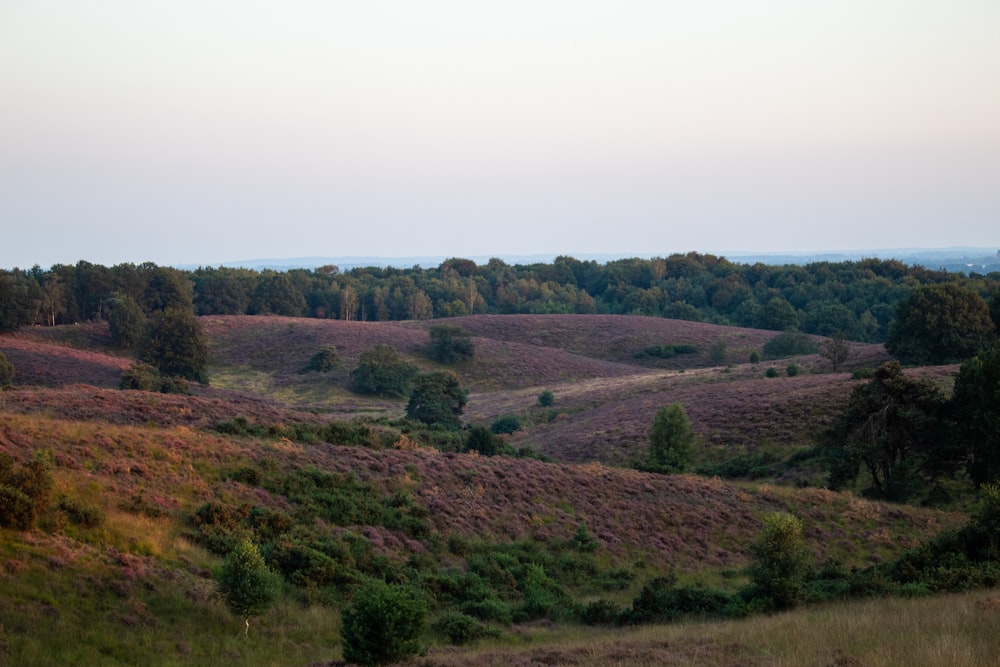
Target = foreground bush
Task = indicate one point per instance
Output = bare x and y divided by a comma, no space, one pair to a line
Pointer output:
383,625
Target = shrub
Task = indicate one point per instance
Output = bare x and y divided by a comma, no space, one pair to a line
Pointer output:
16,509
437,399
779,560
24,493
755,357
789,344
771,372
506,424
583,541
601,612
323,361
175,344
661,600
792,370
6,371
461,628
546,399
83,514
381,370
383,624
863,373
483,441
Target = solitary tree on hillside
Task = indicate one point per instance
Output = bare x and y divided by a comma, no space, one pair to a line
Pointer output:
174,343
671,442
779,560
835,350
437,398
381,370
246,583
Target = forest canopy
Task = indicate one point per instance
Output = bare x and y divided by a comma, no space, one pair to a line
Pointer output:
857,300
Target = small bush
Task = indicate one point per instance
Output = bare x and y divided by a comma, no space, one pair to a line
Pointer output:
383,624
789,344
792,370
16,509
506,424
546,399
461,628
865,373
771,372
80,513
755,357
601,612
323,361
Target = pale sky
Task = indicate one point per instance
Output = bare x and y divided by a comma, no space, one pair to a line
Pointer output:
205,131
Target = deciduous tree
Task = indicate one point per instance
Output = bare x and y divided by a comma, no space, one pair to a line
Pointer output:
383,624
381,370
671,442
174,343
246,583
437,398
976,411
939,324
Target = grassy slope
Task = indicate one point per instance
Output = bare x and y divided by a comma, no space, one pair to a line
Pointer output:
140,576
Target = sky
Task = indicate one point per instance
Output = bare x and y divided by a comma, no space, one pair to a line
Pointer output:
206,131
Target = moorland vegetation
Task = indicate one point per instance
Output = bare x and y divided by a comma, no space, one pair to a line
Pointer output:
371,482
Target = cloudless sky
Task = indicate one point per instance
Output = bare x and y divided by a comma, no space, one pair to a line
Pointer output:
204,131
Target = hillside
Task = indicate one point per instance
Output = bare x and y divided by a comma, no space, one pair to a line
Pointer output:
150,490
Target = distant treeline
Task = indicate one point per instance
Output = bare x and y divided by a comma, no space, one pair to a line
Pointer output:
853,299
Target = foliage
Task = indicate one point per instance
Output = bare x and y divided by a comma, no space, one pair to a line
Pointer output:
789,344
667,351
175,344
754,357
546,398
460,628
717,352
663,601
324,361
583,541
771,372
383,624
451,343
6,371
672,443
25,492
483,441
791,370
437,398
892,429
126,322
144,377
940,324
835,350
975,406
505,424
381,370
779,561
246,583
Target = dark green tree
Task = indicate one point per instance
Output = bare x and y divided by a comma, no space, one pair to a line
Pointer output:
975,406
276,295
893,431
672,443
451,344
174,343
788,344
6,371
246,583
994,307
835,350
323,361
437,398
126,322
546,398
939,324
779,315
381,370
383,624
165,288
483,441
779,561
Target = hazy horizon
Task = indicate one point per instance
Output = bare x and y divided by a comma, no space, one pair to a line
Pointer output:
202,133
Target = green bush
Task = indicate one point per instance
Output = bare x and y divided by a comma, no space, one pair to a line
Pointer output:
246,583
789,344
779,561
546,399
461,628
792,370
451,343
506,424
323,361
383,624
864,373
661,600
17,511
83,514
771,372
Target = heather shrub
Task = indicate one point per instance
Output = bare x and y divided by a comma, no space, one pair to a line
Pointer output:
383,624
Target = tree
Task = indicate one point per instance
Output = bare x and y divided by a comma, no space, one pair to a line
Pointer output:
779,560
323,361
671,441
126,321
451,343
174,343
383,624
893,430
382,371
276,295
939,324
25,493
835,350
437,398
788,344
246,583
483,441
6,371
975,407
